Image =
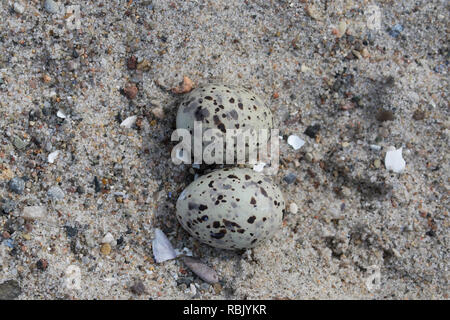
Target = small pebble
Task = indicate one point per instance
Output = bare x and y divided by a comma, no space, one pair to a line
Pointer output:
19,143
105,249
132,63
55,193
9,290
16,185
130,91
34,212
205,273
385,115
42,264
377,163
108,238
18,8
293,208
7,206
138,288
51,6
290,178
312,131
52,156
158,112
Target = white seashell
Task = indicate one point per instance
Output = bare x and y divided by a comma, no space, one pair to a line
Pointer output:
129,122
295,142
61,114
259,167
162,248
394,161
52,156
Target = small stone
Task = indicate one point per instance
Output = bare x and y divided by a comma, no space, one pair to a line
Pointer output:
51,6
18,8
71,231
293,208
9,290
130,91
16,185
138,288
80,190
55,193
132,63
46,78
42,264
217,288
290,178
313,12
19,143
385,115
26,236
346,192
342,27
205,272
34,212
52,156
377,163
108,238
158,112
184,87
7,206
312,131
144,65
309,157
419,115
105,249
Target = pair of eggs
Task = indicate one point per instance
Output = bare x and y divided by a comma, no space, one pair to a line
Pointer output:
232,208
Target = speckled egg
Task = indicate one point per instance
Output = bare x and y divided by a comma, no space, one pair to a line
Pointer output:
233,208
224,107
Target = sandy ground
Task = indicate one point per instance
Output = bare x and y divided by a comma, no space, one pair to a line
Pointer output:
360,232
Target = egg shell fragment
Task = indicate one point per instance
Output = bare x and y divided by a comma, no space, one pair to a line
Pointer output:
233,208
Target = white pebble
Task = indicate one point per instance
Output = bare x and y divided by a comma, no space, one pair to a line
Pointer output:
128,122
108,238
394,161
259,167
295,142
51,6
375,147
34,212
60,114
293,208
52,156
162,248
18,8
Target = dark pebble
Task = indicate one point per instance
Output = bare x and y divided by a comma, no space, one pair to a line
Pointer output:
16,185
42,264
290,178
419,115
97,186
9,290
385,115
7,206
71,231
80,190
132,63
138,288
312,131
